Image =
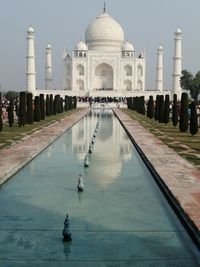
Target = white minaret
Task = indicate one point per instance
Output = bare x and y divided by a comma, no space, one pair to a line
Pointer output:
30,68
48,68
159,69
177,68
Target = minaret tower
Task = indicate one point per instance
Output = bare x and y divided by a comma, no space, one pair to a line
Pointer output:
48,68
159,69
30,69
177,68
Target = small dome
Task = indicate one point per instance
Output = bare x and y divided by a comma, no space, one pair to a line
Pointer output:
30,30
178,30
128,47
104,33
81,46
49,46
160,47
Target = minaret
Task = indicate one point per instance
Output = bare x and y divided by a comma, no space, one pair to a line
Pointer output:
159,69
177,68
30,69
48,68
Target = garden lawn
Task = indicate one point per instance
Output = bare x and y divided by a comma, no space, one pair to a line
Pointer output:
184,144
9,136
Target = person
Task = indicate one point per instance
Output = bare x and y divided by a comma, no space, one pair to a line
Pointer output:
80,185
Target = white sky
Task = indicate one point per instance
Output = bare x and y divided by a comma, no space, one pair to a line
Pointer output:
146,23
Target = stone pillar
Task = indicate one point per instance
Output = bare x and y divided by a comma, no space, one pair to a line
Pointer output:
30,69
48,68
177,66
159,69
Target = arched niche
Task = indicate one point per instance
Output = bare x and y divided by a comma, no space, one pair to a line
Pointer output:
128,85
80,69
128,70
80,84
103,77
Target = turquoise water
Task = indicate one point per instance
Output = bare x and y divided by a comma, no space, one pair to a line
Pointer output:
121,218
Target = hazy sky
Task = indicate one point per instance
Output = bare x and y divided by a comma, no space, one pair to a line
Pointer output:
146,23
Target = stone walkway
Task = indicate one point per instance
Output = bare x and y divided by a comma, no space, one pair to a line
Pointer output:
180,177
17,156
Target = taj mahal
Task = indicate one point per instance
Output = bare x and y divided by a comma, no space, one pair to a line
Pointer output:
104,65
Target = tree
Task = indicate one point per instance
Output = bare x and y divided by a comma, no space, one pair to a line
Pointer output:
37,114
51,104
142,106
183,122
166,109
29,112
150,107
193,119
10,110
157,108
22,109
1,119
175,111
188,82
11,94
42,107
66,107
47,105
74,102
161,109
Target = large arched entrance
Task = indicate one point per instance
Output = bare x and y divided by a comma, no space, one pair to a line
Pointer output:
103,77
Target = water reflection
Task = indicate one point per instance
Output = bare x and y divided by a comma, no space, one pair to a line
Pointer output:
110,136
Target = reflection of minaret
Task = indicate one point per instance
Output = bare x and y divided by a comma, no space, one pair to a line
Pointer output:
30,68
48,68
177,68
159,69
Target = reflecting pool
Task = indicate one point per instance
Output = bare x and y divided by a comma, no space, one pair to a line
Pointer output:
121,218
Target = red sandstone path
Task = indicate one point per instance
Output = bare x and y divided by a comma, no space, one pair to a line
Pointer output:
181,177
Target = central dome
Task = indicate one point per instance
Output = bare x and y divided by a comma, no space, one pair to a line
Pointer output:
104,33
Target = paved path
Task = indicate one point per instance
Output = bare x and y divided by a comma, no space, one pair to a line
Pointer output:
180,177
15,157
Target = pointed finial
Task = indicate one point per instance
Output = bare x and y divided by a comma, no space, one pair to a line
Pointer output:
104,7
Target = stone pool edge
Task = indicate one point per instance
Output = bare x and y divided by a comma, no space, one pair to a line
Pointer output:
14,158
172,178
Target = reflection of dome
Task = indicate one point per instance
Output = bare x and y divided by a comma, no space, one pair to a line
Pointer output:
128,47
81,46
104,32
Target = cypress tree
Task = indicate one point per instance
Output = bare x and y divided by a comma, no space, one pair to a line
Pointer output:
47,105
29,112
67,99
183,122
55,105
157,108
142,105
74,102
10,110
37,114
42,107
61,105
51,104
161,109
22,109
175,111
1,119
137,101
150,107
58,104
166,109
70,102
193,119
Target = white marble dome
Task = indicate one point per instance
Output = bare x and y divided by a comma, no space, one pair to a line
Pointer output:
104,33
81,46
128,47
